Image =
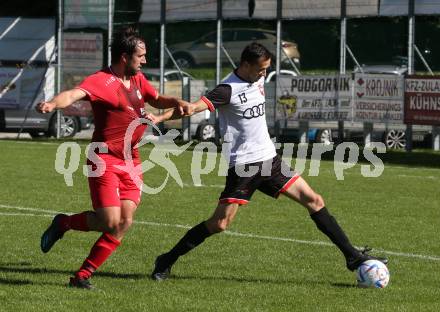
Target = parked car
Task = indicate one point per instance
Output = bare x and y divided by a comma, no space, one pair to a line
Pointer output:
76,117
153,74
283,72
386,69
203,50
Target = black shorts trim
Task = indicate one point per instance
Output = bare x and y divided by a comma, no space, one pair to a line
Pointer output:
240,189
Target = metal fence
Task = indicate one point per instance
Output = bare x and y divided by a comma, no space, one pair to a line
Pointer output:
84,31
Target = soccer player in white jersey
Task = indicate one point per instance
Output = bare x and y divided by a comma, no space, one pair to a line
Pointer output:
253,163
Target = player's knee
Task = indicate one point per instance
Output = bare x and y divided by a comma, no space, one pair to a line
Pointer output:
110,225
126,223
321,202
317,202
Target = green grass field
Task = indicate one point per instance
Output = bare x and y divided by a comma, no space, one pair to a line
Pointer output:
272,259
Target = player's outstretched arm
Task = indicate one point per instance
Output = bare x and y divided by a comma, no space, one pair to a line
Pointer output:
199,106
167,115
61,100
164,101
175,113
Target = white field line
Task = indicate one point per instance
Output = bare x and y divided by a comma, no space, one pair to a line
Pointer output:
246,235
25,214
52,212
204,185
418,177
409,168
38,143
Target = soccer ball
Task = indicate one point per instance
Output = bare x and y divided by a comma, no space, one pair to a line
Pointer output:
373,273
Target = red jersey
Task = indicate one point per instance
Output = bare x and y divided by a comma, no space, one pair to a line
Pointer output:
115,107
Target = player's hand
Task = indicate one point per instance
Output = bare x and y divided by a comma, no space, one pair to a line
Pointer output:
153,118
185,108
45,107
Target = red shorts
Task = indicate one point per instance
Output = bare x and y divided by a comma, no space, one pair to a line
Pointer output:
114,184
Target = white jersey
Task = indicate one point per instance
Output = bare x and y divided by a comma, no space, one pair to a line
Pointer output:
241,110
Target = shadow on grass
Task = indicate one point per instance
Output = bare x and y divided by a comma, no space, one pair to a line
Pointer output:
15,269
22,282
343,285
16,282
261,280
22,263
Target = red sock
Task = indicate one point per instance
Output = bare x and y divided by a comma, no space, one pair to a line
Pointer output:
103,248
76,222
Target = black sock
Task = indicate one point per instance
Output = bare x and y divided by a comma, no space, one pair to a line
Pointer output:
327,224
190,240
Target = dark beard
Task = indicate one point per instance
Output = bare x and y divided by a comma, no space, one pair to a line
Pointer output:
130,72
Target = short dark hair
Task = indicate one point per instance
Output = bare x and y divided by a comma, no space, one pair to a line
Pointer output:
125,41
252,53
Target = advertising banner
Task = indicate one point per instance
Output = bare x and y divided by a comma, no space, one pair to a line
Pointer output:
82,56
378,98
314,98
82,50
422,100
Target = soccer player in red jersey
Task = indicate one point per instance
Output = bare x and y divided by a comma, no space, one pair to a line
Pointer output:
118,95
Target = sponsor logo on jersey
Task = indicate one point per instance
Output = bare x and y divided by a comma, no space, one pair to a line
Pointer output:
139,94
254,111
110,80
